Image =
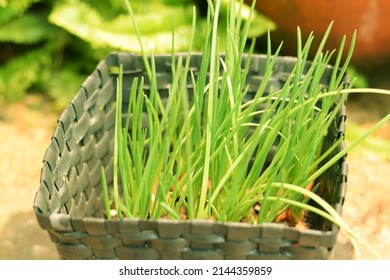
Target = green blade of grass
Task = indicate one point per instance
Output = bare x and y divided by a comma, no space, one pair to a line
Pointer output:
107,205
211,94
329,213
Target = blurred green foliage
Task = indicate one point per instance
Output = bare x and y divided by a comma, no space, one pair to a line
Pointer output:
359,79
50,46
34,54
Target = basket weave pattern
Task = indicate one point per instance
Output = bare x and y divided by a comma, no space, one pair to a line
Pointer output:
69,202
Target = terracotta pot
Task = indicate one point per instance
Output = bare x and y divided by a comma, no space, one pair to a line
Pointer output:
370,18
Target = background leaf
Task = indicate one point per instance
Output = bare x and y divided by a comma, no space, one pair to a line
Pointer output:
31,28
22,72
84,21
14,9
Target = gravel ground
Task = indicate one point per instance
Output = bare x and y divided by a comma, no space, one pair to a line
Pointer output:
26,128
25,131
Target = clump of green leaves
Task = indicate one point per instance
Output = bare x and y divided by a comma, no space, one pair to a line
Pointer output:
204,155
207,153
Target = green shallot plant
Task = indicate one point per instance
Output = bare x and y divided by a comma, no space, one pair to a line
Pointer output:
204,153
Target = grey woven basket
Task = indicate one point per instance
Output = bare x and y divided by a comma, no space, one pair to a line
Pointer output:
69,202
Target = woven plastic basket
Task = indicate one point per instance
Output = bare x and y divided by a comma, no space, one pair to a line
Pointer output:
69,202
